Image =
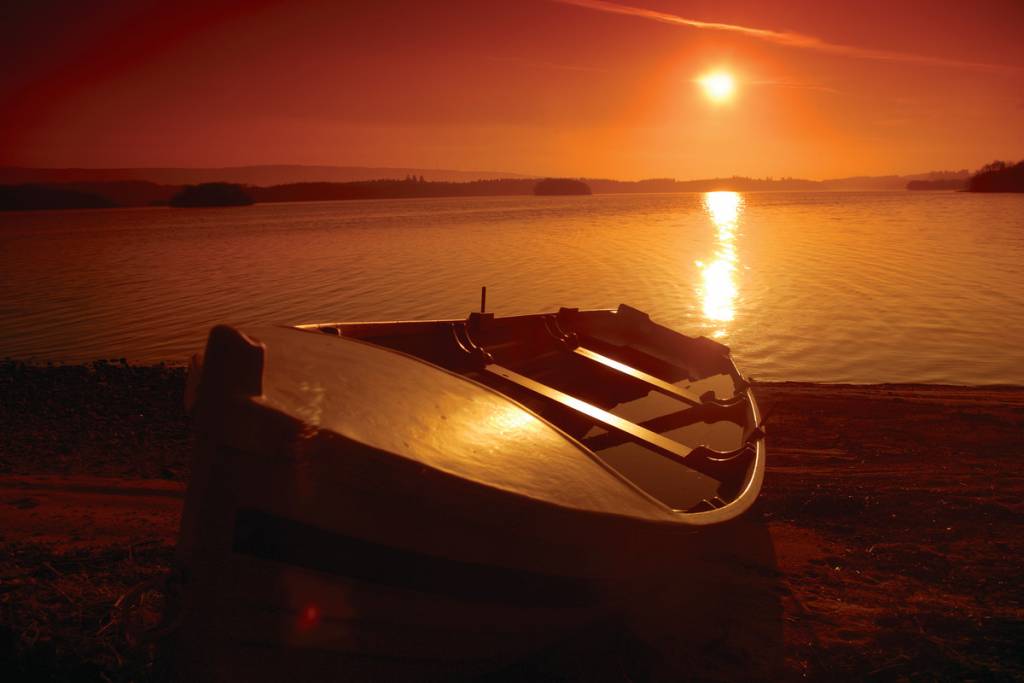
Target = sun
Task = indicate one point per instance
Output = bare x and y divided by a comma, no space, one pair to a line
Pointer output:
719,86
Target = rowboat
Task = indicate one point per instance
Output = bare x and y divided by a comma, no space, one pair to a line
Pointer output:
429,497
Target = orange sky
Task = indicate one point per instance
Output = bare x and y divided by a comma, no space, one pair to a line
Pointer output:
577,87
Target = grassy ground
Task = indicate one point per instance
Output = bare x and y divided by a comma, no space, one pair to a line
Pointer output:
896,514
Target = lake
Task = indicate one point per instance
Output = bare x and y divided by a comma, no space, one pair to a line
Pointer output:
844,287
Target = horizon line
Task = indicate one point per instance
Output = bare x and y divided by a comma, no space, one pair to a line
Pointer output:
499,174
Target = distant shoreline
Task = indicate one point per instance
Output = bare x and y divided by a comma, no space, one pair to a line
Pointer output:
44,189
23,189
115,196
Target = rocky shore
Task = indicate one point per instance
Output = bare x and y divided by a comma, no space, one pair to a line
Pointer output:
896,513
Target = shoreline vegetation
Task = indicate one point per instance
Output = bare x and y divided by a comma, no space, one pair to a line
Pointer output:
561,186
999,176
893,510
211,194
87,194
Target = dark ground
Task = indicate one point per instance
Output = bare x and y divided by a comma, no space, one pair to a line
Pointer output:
896,514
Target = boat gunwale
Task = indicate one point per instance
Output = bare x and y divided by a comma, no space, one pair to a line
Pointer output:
428,322
742,501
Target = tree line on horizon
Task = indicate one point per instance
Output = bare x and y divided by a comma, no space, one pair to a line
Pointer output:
128,193
998,176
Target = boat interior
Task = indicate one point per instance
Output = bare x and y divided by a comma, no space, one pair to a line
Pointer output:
670,413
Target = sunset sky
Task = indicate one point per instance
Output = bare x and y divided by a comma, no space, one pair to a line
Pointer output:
573,87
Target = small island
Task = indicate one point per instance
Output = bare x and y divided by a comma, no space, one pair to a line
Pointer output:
561,186
940,184
212,194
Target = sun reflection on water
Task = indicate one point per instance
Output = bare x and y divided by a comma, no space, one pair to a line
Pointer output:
718,276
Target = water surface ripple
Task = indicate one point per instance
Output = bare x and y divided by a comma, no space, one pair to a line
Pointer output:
848,287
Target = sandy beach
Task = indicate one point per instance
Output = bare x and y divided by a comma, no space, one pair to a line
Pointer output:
895,510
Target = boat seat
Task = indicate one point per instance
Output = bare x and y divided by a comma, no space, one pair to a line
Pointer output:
669,422
658,384
549,338
571,341
725,466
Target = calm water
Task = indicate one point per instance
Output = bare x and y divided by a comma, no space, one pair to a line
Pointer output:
858,287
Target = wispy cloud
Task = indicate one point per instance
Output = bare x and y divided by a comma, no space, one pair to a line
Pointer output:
794,84
784,38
